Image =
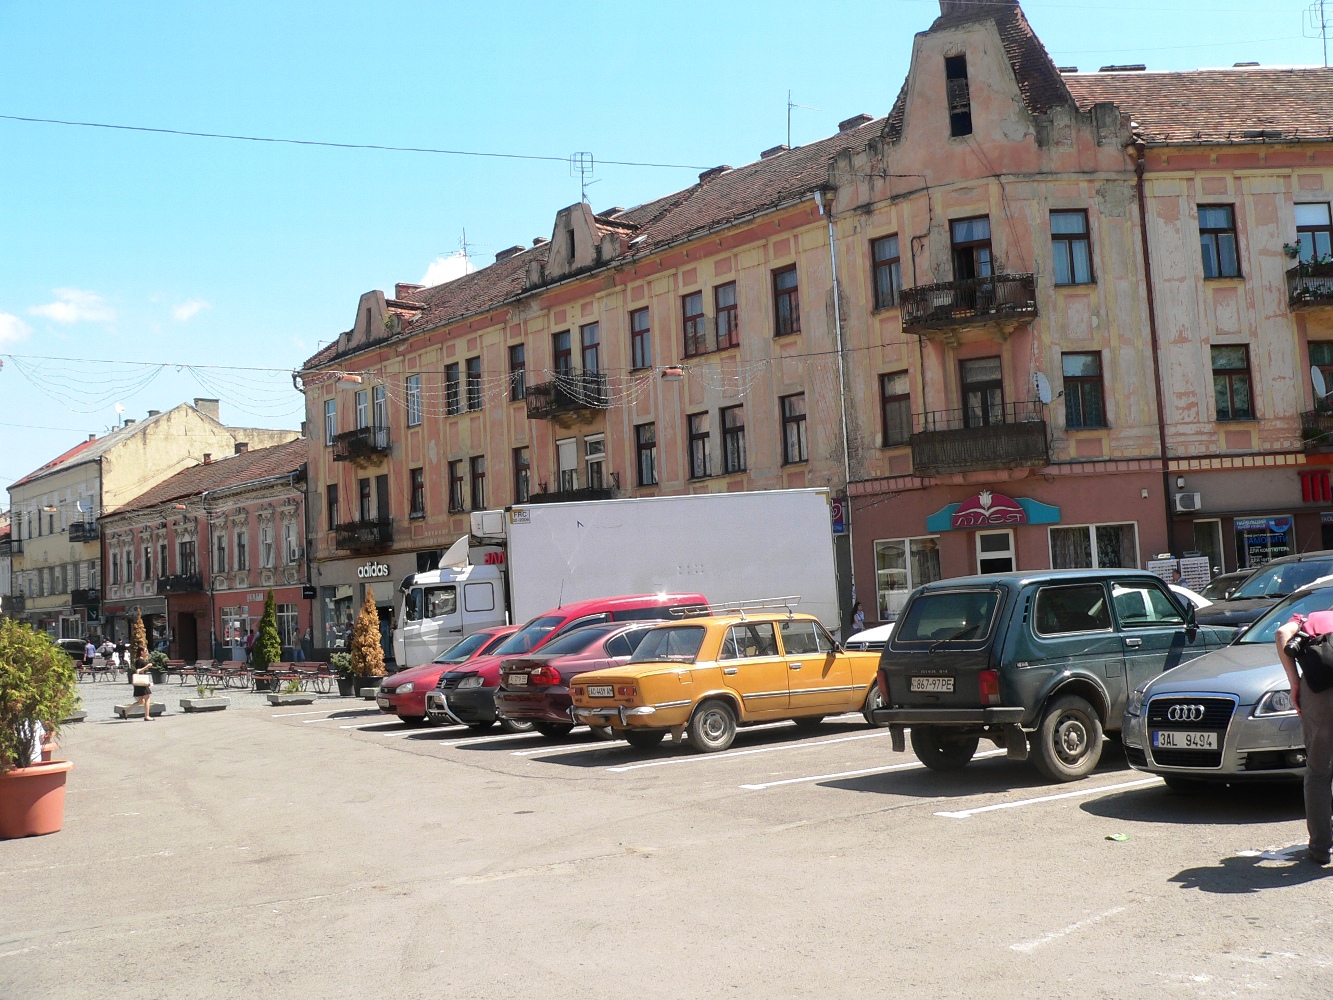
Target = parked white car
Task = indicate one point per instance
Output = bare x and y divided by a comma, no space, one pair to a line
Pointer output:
870,640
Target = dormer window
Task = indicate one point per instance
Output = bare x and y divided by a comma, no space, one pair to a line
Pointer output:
569,235
960,102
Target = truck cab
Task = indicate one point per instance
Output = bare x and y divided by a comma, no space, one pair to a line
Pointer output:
439,607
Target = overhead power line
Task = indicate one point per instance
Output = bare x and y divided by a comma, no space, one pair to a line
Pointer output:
339,145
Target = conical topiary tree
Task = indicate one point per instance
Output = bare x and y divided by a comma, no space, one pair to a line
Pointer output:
367,653
138,637
268,644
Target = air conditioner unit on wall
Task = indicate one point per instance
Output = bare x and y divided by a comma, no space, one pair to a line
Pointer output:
1187,503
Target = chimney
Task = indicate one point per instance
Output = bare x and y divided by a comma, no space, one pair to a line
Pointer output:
856,121
209,407
1066,69
242,447
773,151
92,437
208,458
153,413
1124,68
712,172
506,254
404,290
539,240
128,421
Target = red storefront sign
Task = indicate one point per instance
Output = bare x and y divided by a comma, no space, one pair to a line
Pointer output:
1315,487
987,508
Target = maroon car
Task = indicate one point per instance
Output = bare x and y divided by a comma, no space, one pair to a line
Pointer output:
535,687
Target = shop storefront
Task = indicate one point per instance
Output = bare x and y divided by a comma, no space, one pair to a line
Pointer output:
341,586
116,619
235,612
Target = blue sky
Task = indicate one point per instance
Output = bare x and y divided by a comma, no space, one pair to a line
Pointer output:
135,247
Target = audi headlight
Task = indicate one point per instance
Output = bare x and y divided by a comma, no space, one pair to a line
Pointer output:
1275,702
1135,706
472,681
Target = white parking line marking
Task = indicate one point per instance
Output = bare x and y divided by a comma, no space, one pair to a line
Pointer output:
1030,946
745,753
966,813
335,718
365,725
852,774
616,744
318,711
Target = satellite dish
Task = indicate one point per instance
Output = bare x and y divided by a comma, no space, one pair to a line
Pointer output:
1320,383
1043,386
119,408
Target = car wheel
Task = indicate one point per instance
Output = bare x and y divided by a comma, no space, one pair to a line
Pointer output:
515,726
481,727
874,700
712,727
1068,740
554,730
412,720
1184,786
644,739
940,752
603,732
809,721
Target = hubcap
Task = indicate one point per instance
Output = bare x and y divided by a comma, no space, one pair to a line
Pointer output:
1071,739
715,726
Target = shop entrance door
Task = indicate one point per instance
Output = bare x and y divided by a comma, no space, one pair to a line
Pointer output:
187,637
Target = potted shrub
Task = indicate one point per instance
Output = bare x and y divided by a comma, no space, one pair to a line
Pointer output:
157,666
37,692
367,653
268,645
342,666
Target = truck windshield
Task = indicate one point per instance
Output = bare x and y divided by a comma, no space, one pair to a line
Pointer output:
958,615
1265,629
529,637
677,644
464,648
1283,579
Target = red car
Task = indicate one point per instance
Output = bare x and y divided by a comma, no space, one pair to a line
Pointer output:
404,694
535,688
469,691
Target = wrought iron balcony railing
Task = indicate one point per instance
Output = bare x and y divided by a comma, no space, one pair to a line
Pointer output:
363,536
84,531
180,583
362,443
1309,284
998,298
568,392
12,604
606,492
951,441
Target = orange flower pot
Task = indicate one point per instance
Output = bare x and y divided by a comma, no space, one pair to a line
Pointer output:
32,800
49,749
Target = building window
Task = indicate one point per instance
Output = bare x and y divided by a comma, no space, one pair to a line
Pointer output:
594,455
331,502
640,340
995,552
983,392
148,562
1072,248
1313,232
291,542
645,448
243,549
522,475
478,469
186,562
162,558
793,429
728,319
115,567
456,486
267,555
567,464
733,438
1231,383
473,384
413,400
418,490
956,91
590,343
895,403
562,353
220,556
886,270
382,497
695,324
363,499
1095,546
129,567
1321,357
289,628
1084,394
1217,237
701,465
330,420
901,565
380,403
786,302
518,373
453,393
1260,540
971,248
362,408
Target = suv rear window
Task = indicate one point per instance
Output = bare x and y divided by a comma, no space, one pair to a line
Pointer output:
961,615
1080,608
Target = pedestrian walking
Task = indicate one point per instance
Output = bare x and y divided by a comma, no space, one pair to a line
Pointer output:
143,682
89,654
1312,697
250,647
123,656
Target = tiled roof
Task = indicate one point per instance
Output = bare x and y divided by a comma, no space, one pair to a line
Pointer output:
1217,105
235,470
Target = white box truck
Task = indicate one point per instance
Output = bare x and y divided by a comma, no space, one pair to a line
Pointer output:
730,547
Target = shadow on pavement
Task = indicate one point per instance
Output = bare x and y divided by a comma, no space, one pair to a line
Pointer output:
1231,805
1241,875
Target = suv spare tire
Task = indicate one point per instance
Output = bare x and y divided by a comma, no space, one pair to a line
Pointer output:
939,751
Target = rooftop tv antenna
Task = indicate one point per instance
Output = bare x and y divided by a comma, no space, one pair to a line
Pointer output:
584,165
790,105
1316,24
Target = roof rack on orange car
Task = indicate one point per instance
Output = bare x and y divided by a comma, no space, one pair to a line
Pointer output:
742,608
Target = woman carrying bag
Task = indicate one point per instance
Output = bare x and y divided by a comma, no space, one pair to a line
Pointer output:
143,682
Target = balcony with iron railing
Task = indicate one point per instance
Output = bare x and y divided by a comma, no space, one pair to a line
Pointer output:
364,536
180,583
953,441
568,393
11,546
1310,285
84,531
608,491
13,604
997,303
84,598
361,445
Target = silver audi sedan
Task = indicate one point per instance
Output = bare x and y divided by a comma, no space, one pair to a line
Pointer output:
1226,716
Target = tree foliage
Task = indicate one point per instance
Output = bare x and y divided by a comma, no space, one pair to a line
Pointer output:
367,653
268,644
37,684
138,637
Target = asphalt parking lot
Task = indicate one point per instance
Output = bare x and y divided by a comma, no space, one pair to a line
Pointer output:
329,851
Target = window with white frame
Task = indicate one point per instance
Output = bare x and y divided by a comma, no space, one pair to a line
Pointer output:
289,628
1095,546
291,542
266,553
901,565
242,553
330,420
220,555
594,450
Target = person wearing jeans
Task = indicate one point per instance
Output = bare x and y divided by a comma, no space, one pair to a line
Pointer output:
1316,712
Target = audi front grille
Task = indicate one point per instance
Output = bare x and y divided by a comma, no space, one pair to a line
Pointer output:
1187,713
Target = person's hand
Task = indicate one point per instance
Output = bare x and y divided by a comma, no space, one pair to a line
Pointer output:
1296,698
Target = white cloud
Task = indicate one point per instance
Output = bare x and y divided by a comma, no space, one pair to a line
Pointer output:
75,306
444,269
12,329
189,308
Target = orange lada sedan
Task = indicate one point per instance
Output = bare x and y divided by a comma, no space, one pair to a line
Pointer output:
706,676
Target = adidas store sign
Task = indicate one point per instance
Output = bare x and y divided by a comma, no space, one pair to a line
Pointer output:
372,571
